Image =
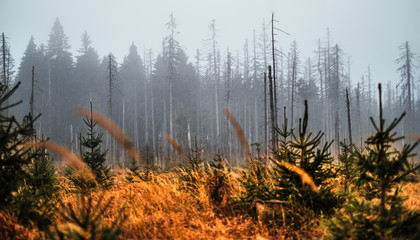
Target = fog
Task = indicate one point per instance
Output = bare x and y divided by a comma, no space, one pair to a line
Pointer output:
160,86
369,31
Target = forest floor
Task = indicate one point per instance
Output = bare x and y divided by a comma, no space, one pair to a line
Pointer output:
161,209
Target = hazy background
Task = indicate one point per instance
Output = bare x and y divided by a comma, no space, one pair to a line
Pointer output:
369,31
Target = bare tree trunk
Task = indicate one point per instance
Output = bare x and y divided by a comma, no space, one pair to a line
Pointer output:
165,128
408,64
265,117
349,118
274,75
294,76
254,76
189,132
369,92
146,116
228,89
327,82
216,79
321,79
199,104
110,84
358,106
4,62
5,80
264,39
170,107
111,142
273,125
31,101
153,122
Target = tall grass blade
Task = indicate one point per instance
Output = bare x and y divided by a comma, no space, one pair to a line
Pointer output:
176,145
239,132
71,159
114,130
306,179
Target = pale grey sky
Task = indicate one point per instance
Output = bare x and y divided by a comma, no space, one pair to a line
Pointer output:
369,31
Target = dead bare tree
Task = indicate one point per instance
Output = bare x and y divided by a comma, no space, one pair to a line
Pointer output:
349,118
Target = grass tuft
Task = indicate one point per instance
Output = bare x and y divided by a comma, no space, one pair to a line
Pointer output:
239,132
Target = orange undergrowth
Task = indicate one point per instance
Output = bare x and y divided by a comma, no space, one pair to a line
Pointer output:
412,191
11,229
158,209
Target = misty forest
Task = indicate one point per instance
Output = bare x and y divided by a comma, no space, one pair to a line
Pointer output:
252,141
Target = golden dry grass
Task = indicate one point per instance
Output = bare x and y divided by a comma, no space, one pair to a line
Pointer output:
10,229
167,207
412,192
160,210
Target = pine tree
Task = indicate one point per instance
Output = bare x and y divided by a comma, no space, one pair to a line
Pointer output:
13,158
382,169
133,87
407,60
257,183
134,169
61,89
86,75
24,75
27,177
111,65
85,220
306,152
6,68
93,156
35,200
219,180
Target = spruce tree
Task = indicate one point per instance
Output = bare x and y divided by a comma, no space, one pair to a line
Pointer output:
149,168
92,155
27,176
62,89
378,212
219,181
258,184
347,164
85,219
305,151
13,158
35,199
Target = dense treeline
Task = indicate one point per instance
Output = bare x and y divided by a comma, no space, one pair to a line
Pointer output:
149,95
